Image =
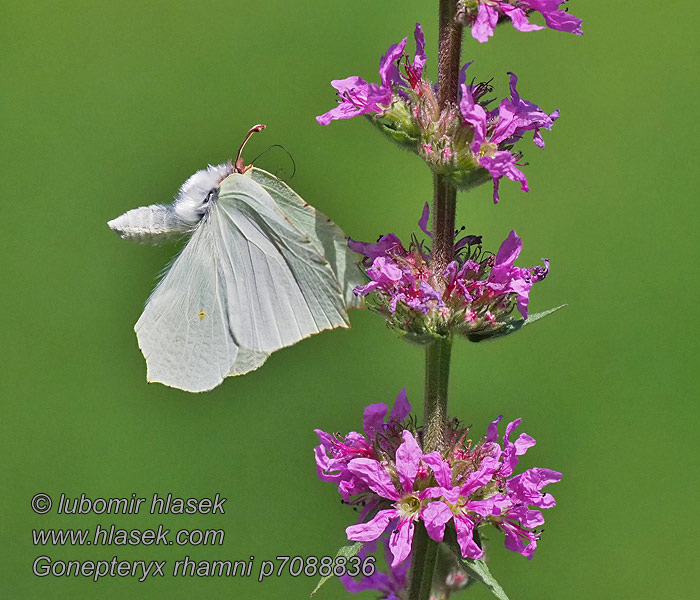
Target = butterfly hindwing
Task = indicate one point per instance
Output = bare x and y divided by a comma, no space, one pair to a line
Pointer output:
184,331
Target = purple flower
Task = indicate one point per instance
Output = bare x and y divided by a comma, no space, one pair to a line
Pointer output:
455,504
401,275
494,132
488,493
470,145
506,278
471,486
484,18
408,501
479,290
335,452
358,97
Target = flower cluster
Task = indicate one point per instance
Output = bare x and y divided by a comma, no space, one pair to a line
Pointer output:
483,16
474,296
469,143
472,485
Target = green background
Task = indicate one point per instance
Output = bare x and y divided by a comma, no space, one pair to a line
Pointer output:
106,106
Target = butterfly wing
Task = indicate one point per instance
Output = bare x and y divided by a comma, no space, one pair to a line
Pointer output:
279,287
247,361
184,331
248,282
328,238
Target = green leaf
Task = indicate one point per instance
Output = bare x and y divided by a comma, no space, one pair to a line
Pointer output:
348,551
476,568
512,327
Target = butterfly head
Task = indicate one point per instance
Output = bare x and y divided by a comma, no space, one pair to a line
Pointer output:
199,191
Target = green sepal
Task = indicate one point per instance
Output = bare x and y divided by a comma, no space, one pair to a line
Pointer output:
476,568
510,327
348,551
396,133
418,339
466,178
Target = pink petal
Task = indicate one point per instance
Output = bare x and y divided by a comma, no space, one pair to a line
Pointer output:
408,457
423,223
373,418
420,57
366,532
388,70
401,408
475,115
440,467
435,516
465,537
374,475
492,431
485,23
519,19
400,541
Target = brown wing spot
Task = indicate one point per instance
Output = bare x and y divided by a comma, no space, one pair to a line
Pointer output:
201,315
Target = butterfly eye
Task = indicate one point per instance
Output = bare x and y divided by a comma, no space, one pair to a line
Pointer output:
211,195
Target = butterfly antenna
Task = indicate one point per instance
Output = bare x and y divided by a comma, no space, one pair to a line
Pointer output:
294,164
239,164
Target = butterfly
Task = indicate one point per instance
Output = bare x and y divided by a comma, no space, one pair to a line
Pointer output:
262,269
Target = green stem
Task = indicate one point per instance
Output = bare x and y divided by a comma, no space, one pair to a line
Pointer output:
418,550
437,373
431,555
437,355
445,194
444,211
450,53
424,554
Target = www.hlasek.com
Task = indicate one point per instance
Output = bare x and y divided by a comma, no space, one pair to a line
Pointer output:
112,535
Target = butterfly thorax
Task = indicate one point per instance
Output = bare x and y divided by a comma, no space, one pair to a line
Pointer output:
196,194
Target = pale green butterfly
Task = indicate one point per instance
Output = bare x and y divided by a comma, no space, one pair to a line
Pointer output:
262,270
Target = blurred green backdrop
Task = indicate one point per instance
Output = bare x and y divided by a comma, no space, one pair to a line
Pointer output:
107,106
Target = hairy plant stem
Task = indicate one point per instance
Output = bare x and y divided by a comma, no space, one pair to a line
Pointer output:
437,374
437,355
418,556
449,53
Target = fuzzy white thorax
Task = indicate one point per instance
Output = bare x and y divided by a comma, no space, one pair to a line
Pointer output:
192,200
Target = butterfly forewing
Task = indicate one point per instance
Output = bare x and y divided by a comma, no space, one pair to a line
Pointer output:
279,288
330,240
